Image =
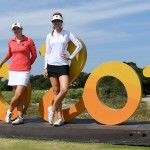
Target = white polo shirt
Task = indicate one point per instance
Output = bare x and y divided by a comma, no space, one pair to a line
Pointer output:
57,44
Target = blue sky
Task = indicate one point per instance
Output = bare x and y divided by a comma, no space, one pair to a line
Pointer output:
112,30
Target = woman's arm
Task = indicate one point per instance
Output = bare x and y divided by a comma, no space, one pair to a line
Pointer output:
47,51
7,57
33,51
3,61
46,55
76,43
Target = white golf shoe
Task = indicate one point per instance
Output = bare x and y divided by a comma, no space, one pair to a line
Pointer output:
8,116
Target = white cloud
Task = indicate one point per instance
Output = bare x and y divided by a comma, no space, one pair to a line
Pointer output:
37,23
99,11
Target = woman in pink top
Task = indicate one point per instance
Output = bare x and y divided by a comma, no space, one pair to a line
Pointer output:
20,49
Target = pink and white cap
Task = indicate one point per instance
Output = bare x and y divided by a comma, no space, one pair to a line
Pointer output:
57,16
17,24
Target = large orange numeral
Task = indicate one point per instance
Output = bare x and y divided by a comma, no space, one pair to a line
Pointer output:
146,71
76,67
3,104
100,111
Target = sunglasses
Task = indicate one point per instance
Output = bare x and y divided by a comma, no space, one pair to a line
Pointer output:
57,20
14,29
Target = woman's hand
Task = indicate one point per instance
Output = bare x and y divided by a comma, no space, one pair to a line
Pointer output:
65,57
45,73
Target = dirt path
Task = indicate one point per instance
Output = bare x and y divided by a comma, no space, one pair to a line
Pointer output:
147,100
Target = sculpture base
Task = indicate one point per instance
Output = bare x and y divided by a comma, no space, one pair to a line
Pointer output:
81,130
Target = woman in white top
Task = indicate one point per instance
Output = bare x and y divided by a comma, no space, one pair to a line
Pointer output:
57,65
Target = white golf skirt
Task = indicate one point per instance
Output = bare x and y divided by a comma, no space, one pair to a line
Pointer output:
19,78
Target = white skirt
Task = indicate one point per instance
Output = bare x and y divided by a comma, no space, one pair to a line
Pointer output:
19,78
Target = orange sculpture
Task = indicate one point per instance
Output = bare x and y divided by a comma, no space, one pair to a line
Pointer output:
131,82
76,67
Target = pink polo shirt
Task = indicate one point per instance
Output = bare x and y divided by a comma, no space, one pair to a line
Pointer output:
23,54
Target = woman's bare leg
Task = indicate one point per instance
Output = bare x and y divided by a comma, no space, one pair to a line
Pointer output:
64,86
16,100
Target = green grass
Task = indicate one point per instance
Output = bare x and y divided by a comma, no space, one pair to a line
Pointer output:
37,95
7,95
24,144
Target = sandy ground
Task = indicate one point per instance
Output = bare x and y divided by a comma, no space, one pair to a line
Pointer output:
147,100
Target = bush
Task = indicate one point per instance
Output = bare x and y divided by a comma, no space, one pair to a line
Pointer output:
74,93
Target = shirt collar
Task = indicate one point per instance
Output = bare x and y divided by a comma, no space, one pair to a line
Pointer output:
61,32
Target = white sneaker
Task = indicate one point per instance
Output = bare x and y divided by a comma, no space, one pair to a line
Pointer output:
59,122
8,116
51,115
19,120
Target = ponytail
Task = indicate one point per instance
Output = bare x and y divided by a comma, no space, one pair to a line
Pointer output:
53,31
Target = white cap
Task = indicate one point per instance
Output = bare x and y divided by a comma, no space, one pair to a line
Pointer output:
57,17
16,25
